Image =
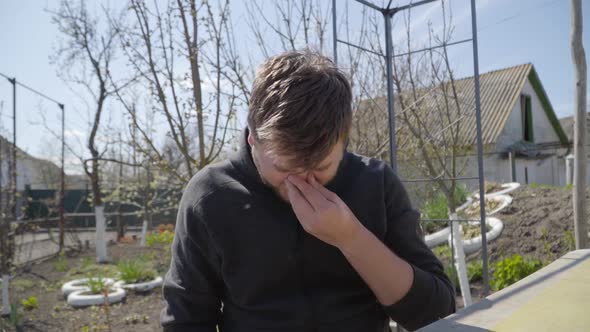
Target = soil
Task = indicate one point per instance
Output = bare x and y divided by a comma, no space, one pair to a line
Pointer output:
138,312
538,224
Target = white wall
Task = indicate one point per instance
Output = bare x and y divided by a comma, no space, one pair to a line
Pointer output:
543,131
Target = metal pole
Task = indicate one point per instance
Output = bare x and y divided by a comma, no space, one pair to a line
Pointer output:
482,205
512,161
62,188
334,32
13,185
387,14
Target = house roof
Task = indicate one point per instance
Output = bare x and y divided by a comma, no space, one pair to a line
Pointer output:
499,92
567,123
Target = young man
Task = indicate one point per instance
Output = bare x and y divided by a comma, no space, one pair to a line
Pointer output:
295,234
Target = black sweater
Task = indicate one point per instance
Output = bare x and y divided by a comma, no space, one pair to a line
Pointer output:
241,260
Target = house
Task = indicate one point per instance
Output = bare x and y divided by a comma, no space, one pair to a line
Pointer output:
522,138
31,174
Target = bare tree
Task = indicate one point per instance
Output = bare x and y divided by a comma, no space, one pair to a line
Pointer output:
85,57
175,64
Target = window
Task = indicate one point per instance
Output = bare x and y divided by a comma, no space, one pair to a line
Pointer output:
527,118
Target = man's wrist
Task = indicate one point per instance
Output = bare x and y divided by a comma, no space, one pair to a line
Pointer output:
356,241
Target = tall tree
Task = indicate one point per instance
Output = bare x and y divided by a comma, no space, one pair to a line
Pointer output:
84,58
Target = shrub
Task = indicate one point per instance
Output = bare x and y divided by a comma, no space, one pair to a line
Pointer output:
30,303
512,269
164,237
475,271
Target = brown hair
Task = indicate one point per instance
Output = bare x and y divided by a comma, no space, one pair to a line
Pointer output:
300,106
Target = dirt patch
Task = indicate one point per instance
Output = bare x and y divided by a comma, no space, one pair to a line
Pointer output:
138,312
538,224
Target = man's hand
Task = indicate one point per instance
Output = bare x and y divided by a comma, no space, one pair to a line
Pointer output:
321,212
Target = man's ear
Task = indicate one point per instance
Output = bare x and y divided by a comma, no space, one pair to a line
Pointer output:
250,139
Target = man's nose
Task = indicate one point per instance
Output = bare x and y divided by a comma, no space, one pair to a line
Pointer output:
302,175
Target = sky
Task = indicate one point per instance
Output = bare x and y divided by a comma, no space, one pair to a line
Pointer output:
510,33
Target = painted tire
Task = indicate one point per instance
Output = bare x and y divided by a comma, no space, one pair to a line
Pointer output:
474,244
77,299
506,188
440,237
142,286
504,200
437,238
80,285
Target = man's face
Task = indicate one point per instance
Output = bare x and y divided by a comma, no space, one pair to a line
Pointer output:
275,170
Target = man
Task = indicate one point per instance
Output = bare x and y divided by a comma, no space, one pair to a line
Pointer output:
295,234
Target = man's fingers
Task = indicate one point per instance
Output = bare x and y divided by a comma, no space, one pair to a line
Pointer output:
313,196
298,202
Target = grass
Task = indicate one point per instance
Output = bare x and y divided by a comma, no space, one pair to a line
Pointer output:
22,284
61,265
93,269
96,284
134,271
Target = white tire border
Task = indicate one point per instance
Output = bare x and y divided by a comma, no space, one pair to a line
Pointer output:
505,200
437,238
80,284
507,188
142,286
474,244
76,299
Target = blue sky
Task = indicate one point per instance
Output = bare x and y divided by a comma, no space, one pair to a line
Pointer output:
510,33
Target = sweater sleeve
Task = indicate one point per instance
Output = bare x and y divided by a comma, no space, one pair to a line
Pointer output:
431,296
191,287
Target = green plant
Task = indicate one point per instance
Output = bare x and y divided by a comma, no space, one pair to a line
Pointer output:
133,271
437,208
15,317
86,262
30,303
475,271
96,284
570,240
61,265
512,269
451,272
443,252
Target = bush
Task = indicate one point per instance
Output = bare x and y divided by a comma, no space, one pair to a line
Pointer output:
163,237
30,303
437,208
513,269
475,271
132,272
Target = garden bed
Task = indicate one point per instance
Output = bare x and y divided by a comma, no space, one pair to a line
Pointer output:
137,312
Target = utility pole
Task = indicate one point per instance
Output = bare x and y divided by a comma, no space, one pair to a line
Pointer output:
579,61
